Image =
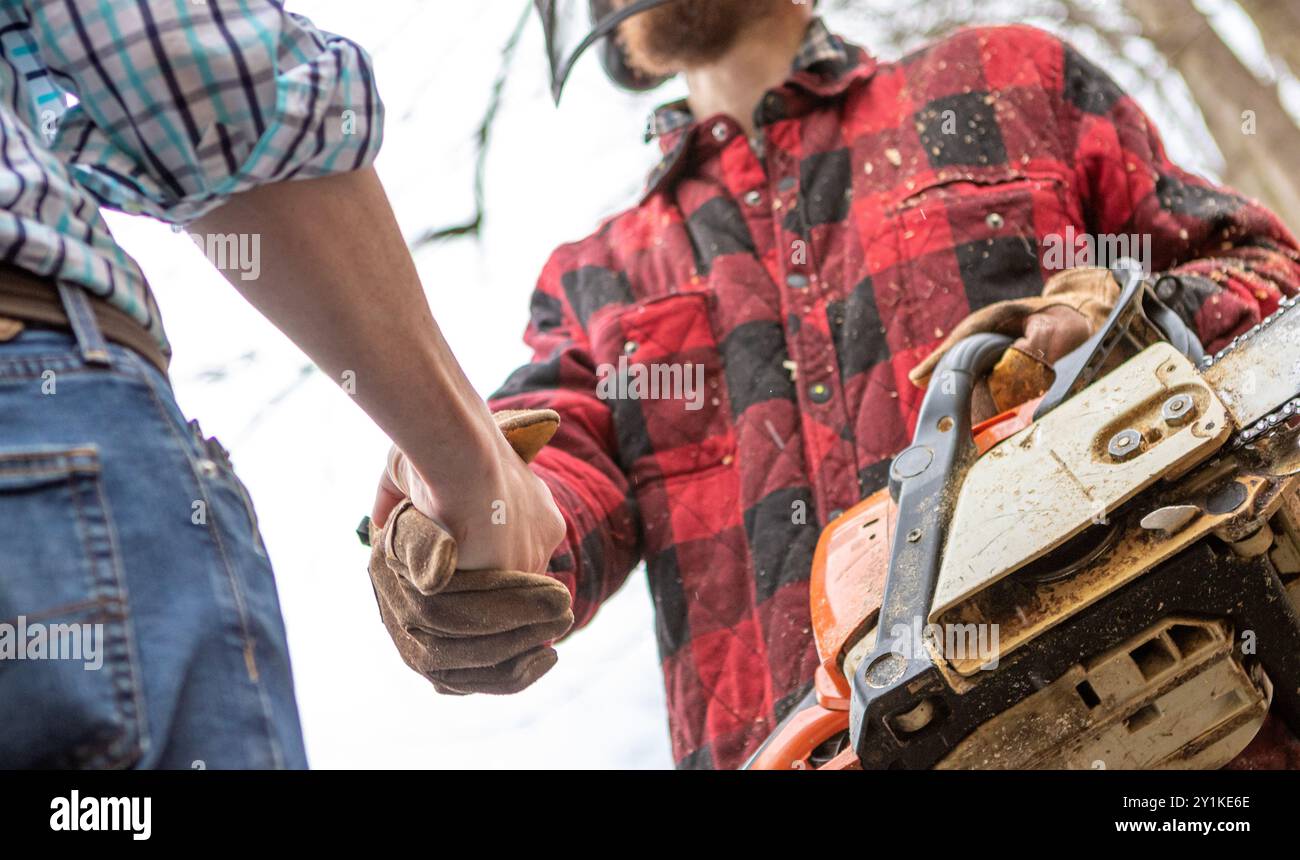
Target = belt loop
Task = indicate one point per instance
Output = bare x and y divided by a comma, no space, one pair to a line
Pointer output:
90,339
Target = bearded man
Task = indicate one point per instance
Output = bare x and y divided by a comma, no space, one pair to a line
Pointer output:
820,222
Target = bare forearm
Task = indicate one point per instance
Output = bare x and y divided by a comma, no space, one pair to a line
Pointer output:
337,278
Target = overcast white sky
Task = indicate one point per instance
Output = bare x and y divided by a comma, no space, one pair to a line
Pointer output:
310,457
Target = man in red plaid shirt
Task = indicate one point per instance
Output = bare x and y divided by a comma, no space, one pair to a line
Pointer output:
811,234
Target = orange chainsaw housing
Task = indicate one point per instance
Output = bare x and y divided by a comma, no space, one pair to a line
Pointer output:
850,568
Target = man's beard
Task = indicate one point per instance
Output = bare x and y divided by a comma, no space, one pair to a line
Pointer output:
687,33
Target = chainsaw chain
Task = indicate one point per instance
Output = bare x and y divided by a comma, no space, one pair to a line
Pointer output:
1270,423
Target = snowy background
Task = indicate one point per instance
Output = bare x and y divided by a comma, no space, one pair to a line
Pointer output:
311,458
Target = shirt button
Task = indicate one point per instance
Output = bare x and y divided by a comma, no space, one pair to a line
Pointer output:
994,221
796,281
720,132
819,393
754,198
630,347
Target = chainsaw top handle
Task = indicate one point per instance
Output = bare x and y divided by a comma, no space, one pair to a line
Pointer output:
920,480
1138,313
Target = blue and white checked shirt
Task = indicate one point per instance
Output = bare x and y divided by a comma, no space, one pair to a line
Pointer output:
164,108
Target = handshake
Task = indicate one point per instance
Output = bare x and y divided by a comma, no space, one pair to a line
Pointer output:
465,597
460,573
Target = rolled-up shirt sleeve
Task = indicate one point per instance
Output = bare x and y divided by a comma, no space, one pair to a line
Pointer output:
179,105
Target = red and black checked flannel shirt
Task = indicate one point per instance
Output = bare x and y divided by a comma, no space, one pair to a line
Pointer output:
807,273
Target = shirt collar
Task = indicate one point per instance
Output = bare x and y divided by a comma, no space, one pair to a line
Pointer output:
819,46
826,65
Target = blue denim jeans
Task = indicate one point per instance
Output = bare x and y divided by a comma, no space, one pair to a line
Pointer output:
139,621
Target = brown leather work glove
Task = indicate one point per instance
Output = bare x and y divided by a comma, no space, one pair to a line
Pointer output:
1073,306
468,631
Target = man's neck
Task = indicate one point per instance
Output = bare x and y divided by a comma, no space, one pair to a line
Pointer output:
760,60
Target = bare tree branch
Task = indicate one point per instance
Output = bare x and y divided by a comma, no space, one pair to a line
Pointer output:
483,141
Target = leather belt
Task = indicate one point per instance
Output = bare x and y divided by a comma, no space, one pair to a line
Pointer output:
32,299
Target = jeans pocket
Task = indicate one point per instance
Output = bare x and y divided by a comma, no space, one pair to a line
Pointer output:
69,685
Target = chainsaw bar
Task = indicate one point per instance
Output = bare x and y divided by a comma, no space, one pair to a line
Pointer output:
1257,375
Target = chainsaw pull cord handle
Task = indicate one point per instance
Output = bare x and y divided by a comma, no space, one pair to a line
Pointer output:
1137,303
921,479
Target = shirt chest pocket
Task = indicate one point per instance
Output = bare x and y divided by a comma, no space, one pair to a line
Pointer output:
960,245
659,368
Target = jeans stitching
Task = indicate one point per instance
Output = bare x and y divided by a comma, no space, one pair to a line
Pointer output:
244,632
106,588
127,679
61,358
226,471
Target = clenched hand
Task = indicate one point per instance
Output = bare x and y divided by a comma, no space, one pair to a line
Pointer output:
1073,306
479,626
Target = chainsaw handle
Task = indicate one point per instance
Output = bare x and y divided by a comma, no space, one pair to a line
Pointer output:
921,479
1174,328
946,406
1137,303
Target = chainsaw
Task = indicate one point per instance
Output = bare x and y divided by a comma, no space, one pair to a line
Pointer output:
1107,576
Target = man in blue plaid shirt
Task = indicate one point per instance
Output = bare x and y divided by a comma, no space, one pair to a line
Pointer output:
139,623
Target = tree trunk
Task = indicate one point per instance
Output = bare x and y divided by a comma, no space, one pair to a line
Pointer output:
1278,22
1264,164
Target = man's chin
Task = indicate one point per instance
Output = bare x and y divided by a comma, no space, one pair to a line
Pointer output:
669,39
